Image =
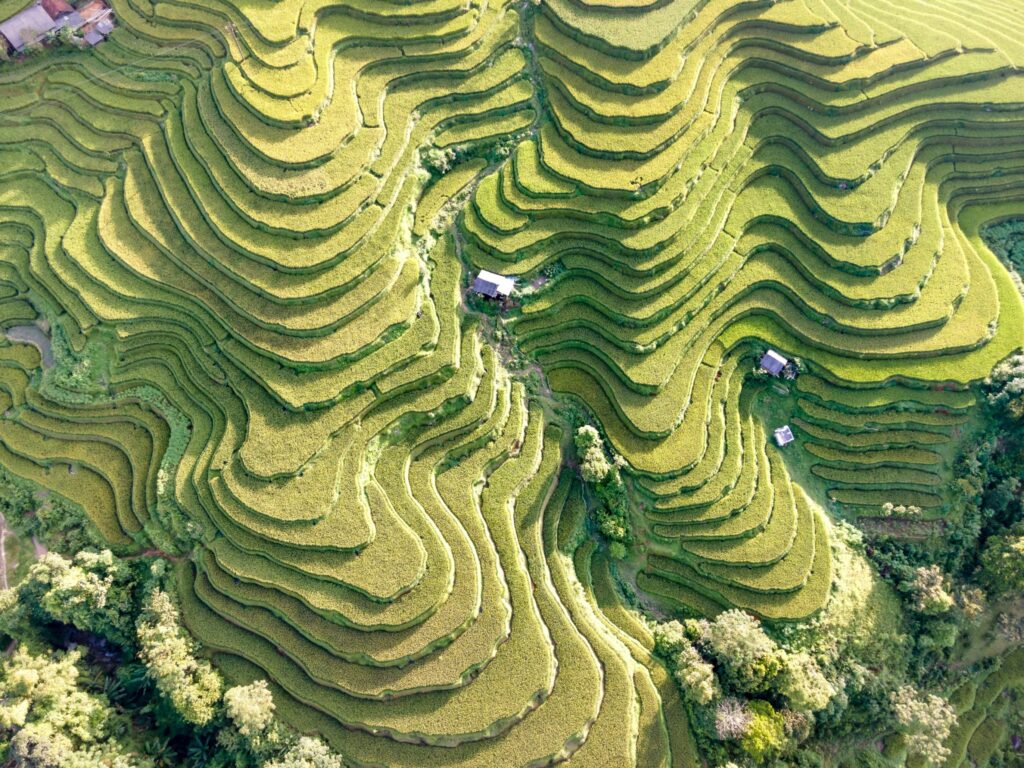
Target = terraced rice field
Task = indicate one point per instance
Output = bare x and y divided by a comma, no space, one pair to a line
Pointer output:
227,214
982,708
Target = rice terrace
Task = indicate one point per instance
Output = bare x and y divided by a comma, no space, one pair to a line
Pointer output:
499,383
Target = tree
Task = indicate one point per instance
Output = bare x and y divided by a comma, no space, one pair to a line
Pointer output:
14,617
308,752
972,602
617,550
1006,239
612,511
94,593
938,634
765,736
732,718
1002,562
695,676
928,591
250,708
612,528
798,725
736,637
16,499
1006,387
594,463
48,720
62,526
926,720
741,646
587,436
192,686
900,510
669,639
803,683
257,735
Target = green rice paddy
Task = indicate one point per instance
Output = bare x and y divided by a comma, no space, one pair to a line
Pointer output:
249,229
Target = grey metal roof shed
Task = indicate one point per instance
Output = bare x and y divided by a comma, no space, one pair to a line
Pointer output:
27,27
773,362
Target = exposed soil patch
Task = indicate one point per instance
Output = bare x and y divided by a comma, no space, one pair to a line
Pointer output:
37,337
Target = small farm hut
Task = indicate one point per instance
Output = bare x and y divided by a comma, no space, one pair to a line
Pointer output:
773,362
784,435
493,286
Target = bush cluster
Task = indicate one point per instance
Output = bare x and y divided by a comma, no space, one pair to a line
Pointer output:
947,583
1006,239
603,476
750,698
101,673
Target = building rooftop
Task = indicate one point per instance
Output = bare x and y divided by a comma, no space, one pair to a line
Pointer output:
784,435
31,25
56,8
773,362
493,285
98,21
27,27
95,10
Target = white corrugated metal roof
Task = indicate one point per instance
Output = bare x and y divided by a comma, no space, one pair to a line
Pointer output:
784,435
492,284
773,362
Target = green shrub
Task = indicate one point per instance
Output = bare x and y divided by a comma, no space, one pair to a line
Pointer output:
742,648
1006,238
611,513
192,686
765,736
1002,561
48,717
95,592
803,684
